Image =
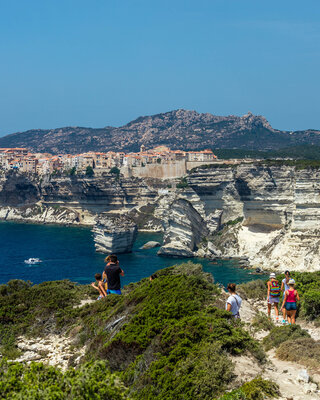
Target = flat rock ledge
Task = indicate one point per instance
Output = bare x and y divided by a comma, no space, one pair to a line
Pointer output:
150,245
175,251
114,234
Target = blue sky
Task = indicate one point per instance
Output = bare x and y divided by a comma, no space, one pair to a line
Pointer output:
105,62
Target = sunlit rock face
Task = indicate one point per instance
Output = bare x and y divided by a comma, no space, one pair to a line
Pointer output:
186,228
280,207
114,234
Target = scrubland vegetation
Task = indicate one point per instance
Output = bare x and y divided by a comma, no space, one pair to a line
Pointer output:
169,338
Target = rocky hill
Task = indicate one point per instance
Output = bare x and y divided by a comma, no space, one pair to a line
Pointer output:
177,129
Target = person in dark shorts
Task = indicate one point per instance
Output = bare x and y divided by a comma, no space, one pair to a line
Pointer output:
290,300
112,273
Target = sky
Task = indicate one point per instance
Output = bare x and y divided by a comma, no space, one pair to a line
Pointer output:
105,62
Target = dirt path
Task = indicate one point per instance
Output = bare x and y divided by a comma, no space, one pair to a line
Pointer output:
295,380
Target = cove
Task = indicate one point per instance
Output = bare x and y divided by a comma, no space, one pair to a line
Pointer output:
69,253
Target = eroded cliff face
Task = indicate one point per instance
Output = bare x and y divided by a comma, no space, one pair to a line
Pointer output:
31,198
280,207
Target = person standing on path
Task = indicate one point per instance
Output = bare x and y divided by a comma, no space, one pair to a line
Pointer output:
290,302
112,273
234,301
284,288
273,296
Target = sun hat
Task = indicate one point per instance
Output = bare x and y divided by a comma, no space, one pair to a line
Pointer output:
291,282
272,275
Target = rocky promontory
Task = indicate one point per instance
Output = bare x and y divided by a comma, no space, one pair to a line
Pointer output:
114,234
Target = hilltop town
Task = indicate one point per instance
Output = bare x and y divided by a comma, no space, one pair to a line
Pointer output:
159,162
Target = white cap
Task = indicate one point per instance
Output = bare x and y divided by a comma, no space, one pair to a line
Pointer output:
272,275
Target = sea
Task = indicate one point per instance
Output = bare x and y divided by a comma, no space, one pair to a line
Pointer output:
69,253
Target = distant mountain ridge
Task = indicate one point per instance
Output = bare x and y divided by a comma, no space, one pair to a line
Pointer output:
178,129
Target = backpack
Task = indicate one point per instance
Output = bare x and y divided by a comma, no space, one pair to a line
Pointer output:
274,289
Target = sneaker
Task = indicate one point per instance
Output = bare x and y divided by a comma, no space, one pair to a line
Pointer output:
284,322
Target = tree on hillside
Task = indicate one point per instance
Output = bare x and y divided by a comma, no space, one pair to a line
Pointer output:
115,170
89,171
72,171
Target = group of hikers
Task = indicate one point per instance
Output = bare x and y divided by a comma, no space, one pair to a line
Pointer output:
109,283
289,299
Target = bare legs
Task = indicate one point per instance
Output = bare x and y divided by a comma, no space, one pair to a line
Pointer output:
292,316
275,306
284,313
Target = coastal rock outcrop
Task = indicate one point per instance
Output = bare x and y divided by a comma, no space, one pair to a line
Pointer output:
150,245
114,234
270,213
186,228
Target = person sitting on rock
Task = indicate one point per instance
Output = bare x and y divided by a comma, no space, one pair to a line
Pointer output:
290,302
100,287
273,296
112,272
234,301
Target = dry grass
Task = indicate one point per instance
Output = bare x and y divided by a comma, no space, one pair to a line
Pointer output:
304,351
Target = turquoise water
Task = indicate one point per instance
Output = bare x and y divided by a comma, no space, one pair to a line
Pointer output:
69,253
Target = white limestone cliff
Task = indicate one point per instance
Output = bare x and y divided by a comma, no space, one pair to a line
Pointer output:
114,234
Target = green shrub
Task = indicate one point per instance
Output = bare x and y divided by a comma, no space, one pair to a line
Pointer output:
89,171
38,381
261,322
280,334
115,171
305,351
256,289
256,389
234,222
311,303
29,309
182,184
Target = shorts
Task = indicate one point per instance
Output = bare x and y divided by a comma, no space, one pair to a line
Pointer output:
291,306
110,291
272,300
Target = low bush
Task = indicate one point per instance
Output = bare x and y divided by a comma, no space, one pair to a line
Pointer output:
38,381
36,309
183,183
305,351
280,334
311,303
256,389
256,289
261,322
234,221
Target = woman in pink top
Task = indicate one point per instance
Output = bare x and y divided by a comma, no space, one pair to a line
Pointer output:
290,302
